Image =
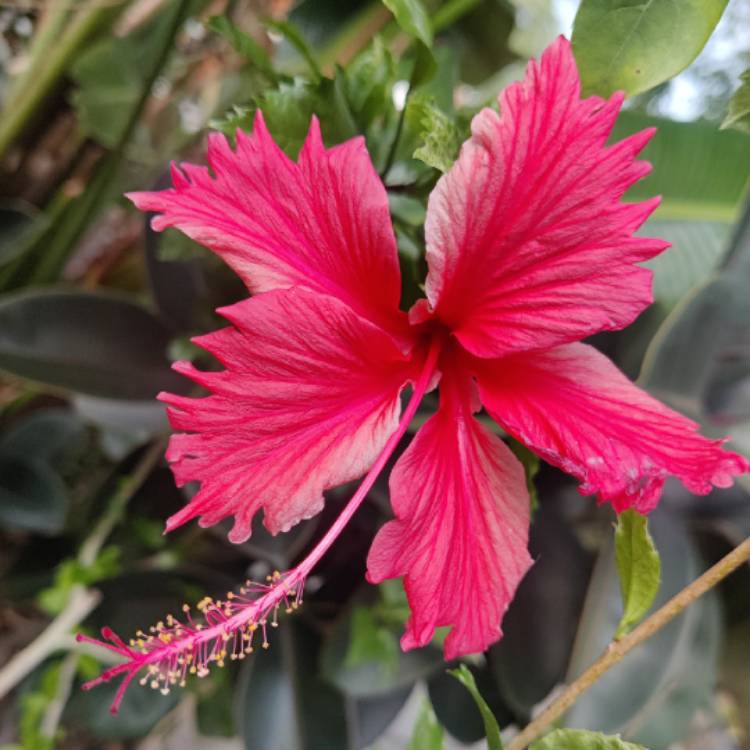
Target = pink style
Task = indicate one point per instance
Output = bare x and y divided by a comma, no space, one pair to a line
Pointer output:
529,250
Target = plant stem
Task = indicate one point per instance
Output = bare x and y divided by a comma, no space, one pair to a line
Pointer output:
618,649
25,105
67,232
92,545
54,712
49,28
81,600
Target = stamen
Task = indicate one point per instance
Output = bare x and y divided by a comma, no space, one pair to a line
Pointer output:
176,647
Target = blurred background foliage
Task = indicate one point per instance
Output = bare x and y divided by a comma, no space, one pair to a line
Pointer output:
97,97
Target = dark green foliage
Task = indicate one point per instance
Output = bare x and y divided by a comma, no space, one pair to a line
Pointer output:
88,328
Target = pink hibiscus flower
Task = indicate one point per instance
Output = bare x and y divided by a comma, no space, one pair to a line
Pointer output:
529,248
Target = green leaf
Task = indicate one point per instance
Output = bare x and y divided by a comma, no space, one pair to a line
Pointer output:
101,345
428,734
111,74
580,739
50,435
370,717
244,45
32,496
696,251
456,709
634,45
20,225
700,171
213,713
438,135
292,34
540,628
531,463
138,713
638,566
425,65
109,78
412,17
491,728
738,116
362,664
699,359
288,108
281,700
369,641
369,80
71,573
406,209
654,692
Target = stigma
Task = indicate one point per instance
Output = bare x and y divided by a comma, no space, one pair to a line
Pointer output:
210,634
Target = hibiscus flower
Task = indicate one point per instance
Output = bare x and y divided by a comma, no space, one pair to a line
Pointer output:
530,249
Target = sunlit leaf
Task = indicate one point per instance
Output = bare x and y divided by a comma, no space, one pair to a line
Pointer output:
437,133
412,17
634,46
738,116
111,74
638,566
289,108
651,695
369,81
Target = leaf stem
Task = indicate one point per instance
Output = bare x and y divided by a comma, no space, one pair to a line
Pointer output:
81,600
618,649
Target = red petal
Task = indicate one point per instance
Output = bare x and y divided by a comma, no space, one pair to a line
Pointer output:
579,412
528,244
308,398
322,223
461,532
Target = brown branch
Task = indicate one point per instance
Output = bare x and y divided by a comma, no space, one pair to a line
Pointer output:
618,649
